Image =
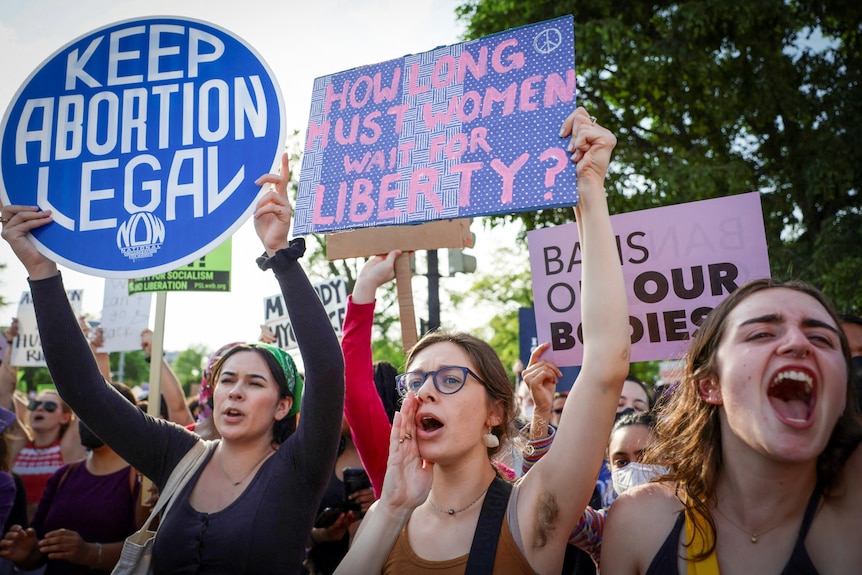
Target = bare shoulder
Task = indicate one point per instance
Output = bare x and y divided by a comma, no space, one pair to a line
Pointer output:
637,524
832,541
853,468
845,498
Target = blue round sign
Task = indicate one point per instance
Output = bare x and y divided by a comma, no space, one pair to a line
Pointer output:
145,138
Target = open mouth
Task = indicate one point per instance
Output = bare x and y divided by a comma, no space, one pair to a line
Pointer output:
233,412
791,394
429,423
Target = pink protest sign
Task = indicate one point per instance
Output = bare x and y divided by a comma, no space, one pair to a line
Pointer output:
678,261
460,131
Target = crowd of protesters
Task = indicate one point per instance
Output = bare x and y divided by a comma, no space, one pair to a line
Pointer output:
745,465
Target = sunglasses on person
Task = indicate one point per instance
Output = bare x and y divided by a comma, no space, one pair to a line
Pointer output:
49,406
447,380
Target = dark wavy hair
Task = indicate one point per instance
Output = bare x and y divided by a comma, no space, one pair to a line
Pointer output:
384,381
283,428
645,387
645,418
688,431
489,368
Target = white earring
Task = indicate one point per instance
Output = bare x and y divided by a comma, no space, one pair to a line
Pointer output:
491,440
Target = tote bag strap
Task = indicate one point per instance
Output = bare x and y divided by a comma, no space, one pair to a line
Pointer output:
181,475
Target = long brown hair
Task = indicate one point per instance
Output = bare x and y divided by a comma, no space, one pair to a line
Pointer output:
489,368
688,430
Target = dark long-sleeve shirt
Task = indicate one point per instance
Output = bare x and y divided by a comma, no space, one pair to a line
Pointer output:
265,530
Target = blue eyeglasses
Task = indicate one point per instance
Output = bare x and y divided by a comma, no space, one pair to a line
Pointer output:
447,380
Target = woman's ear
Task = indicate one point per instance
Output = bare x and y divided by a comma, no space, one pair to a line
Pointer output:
710,391
495,413
283,408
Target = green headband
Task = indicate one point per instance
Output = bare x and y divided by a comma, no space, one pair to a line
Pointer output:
291,374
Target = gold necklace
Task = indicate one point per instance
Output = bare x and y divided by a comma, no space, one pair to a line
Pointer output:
454,511
253,469
755,537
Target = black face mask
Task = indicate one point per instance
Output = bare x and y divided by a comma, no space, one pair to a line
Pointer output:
89,439
626,411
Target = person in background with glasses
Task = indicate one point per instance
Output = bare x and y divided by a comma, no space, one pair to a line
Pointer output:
54,442
249,506
459,408
371,391
87,510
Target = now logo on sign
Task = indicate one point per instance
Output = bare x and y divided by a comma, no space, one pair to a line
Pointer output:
144,138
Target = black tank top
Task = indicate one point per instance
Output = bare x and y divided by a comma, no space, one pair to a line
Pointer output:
665,561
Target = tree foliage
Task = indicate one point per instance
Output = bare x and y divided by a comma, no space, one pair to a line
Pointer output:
712,98
34,378
505,281
188,366
135,368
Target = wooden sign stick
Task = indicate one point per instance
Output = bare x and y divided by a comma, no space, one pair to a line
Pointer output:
404,286
367,242
154,397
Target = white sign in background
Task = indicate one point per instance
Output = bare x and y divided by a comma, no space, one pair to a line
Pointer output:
27,347
333,294
124,316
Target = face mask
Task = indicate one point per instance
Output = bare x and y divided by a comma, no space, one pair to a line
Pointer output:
635,474
89,439
623,413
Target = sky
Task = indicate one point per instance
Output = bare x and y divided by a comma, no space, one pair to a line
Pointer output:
299,40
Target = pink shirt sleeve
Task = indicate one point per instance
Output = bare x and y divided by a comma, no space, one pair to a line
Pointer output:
369,424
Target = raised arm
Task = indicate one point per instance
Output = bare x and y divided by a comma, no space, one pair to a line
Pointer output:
319,428
19,432
18,222
565,477
172,390
541,377
151,446
369,424
96,337
8,372
408,486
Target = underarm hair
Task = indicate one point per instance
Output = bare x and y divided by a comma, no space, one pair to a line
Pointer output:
548,512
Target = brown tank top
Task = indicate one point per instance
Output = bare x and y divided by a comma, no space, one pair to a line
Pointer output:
508,561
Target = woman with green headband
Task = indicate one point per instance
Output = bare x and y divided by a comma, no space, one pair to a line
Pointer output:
250,506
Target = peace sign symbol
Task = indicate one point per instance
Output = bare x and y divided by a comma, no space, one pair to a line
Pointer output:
547,41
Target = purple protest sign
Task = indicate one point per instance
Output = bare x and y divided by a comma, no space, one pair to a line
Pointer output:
460,131
678,261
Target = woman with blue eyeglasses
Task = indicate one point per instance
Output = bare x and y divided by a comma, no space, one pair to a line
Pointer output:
443,508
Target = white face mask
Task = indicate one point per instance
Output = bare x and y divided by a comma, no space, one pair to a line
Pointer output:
635,474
